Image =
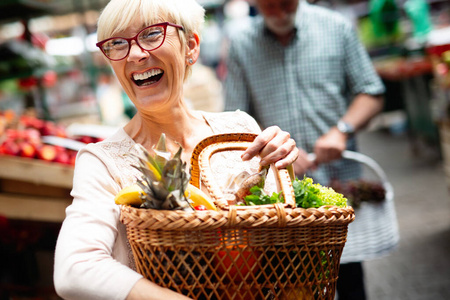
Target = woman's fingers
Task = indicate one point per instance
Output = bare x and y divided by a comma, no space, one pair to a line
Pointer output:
273,146
287,160
260,142
283,153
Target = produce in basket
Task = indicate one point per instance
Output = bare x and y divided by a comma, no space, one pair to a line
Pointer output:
131,195
240,186
307,194
358,191
164,183
264,252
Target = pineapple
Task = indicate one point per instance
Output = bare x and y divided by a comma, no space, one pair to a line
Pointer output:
164,178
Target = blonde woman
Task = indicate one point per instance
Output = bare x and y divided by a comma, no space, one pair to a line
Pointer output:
151,46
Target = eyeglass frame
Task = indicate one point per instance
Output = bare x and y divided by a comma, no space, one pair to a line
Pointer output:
165,24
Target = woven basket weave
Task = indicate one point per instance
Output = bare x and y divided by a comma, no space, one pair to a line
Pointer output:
251,252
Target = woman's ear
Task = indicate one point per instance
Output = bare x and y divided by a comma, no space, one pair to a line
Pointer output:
193,48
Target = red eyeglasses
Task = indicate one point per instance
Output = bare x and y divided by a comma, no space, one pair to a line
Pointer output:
150,38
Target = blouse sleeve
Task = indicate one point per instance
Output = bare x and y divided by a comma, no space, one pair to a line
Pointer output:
84,264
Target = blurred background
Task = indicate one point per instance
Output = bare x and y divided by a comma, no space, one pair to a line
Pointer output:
57,93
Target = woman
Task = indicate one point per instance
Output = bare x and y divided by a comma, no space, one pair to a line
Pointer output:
159,43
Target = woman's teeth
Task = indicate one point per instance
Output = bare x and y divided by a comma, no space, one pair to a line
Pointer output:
147,74
148,77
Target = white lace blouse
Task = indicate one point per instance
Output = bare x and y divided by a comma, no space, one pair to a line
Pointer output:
93,259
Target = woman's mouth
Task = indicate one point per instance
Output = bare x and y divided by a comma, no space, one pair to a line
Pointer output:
148,78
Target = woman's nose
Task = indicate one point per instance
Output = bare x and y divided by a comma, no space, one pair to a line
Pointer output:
136,52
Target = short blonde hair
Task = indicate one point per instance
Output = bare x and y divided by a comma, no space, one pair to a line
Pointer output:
118,15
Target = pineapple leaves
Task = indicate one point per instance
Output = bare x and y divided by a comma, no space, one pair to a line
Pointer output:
164,178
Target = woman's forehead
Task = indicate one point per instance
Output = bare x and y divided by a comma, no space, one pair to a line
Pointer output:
136,25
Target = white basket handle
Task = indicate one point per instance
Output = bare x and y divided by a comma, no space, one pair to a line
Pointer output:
372,164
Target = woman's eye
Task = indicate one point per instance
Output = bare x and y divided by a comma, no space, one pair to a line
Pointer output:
118,43
151,34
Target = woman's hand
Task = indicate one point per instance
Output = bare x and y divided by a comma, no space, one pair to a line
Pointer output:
274,146
145,289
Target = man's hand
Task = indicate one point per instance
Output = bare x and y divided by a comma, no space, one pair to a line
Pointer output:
330,146
303,164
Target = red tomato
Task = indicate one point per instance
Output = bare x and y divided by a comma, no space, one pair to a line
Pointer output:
200,207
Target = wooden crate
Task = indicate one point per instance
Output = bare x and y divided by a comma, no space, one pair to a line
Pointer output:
32,189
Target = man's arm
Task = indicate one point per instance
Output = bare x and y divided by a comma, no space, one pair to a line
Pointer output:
363,108
365,83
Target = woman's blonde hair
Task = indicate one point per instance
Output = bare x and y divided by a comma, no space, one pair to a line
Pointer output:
118,15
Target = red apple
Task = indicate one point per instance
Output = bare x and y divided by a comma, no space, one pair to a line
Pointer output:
32,122
12,134
47,152
73,157
49,128
86,139
10,147
32,136
60,131
62,157
27,150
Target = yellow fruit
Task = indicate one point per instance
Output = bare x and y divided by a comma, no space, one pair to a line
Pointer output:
198,197
154,171
129,195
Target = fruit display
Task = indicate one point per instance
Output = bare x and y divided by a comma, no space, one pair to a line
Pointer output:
30,137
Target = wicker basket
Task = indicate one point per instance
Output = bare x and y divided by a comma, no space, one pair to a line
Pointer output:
374,233
254,252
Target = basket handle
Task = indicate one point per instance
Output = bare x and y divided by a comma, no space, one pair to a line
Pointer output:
200,166
368,161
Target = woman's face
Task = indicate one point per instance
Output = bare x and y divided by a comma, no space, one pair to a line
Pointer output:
152,79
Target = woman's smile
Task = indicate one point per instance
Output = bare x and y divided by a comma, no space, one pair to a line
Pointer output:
148,77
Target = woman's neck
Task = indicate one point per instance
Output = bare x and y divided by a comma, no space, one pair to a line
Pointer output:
181,127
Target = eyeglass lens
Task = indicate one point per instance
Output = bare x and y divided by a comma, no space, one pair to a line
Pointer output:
148,39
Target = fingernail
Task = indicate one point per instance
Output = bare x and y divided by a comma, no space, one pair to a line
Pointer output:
245,156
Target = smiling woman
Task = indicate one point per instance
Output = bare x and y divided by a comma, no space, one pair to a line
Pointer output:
185,13
151,46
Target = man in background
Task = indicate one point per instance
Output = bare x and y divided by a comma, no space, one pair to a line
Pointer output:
302,67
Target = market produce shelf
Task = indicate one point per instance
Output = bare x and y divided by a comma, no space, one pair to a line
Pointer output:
36,171
32,189
33,208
